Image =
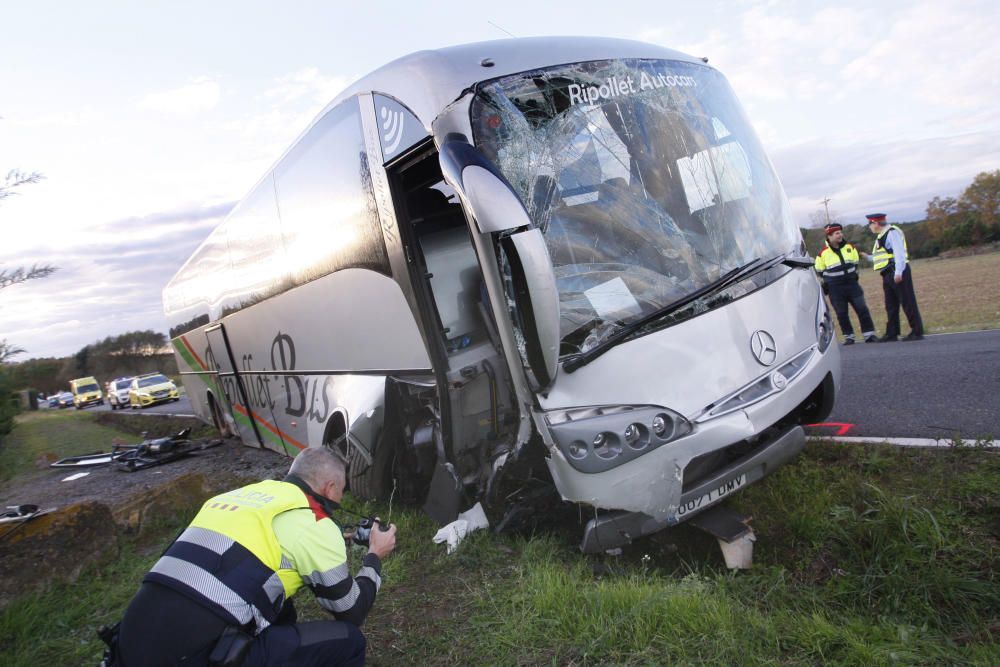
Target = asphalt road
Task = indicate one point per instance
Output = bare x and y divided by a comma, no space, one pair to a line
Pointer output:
944,386
182,407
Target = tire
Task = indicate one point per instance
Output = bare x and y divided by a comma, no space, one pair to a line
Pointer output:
370,481
217,419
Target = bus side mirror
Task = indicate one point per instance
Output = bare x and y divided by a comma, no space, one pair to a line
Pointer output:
482,187
526,267
532,285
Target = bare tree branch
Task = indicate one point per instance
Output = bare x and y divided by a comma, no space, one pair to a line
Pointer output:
16,178
20,275
7,351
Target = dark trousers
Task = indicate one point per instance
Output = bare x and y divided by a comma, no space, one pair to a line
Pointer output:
900,295
850,293
163,627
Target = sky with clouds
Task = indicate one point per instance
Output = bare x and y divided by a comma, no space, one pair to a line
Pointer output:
150,120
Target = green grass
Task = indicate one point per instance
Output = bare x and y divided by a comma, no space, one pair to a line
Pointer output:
44,436
58,626
866,555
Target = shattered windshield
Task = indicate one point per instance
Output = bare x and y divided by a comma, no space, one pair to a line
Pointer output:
645,179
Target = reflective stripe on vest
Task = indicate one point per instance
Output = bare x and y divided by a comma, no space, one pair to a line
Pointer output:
829,265
229,558
881,256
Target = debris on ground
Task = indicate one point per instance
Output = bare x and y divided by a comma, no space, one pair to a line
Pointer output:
468,521
146,454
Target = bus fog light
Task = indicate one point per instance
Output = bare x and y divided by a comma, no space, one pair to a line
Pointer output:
607,445
661,423
577,449
636,436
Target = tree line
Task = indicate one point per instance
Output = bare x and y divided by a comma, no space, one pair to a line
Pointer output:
971,219
125,355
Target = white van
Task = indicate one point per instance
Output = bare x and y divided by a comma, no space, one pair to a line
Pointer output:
496,266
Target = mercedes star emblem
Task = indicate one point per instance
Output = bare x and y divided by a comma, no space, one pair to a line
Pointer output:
762,346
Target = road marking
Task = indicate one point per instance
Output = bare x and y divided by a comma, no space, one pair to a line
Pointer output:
907,442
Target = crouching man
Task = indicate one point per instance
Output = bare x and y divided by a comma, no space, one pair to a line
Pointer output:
221,593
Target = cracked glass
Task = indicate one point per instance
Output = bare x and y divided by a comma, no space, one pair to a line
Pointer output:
646,180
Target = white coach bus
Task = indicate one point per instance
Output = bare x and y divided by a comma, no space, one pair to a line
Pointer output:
565,256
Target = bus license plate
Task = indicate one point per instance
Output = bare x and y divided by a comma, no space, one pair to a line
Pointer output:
722,490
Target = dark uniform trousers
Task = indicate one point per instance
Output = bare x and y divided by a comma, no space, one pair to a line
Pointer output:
162,627
850,292
900,295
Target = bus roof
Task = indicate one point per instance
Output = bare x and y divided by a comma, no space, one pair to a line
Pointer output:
428,81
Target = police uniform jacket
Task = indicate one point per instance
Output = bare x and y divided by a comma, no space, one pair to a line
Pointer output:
249,550
838,266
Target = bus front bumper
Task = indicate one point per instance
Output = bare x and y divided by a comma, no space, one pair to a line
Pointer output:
657,489
616,528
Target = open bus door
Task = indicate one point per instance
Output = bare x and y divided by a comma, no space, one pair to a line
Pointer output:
234,398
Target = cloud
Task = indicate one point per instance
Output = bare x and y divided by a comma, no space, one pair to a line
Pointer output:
202,94
307,82
55,119
941,54
106,286
899,177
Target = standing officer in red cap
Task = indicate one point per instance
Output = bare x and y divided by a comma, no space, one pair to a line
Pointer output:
890,259
837,263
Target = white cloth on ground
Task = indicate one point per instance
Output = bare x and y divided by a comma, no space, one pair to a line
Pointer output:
468,521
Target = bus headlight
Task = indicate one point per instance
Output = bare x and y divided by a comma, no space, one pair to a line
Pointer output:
599,438
824,324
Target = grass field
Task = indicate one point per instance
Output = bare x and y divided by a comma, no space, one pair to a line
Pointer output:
51,432
865,556
955,294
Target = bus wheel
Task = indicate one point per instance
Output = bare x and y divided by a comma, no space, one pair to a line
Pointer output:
370,481
217,419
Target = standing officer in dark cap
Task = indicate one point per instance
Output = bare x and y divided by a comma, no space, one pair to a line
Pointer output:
890,259
837,263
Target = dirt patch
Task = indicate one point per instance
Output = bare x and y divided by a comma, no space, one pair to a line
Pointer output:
94,510
222,466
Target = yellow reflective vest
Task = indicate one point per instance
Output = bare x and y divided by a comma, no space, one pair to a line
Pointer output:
881,255
829,265
229,559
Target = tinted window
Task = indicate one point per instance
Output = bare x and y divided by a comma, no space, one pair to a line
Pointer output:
325,198
314,214
258,267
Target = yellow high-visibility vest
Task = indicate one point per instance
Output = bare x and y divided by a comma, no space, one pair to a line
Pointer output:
881,256
828,262
229,557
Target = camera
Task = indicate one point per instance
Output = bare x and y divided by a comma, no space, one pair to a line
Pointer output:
363,531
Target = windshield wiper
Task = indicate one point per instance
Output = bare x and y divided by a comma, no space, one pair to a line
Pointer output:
722,282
